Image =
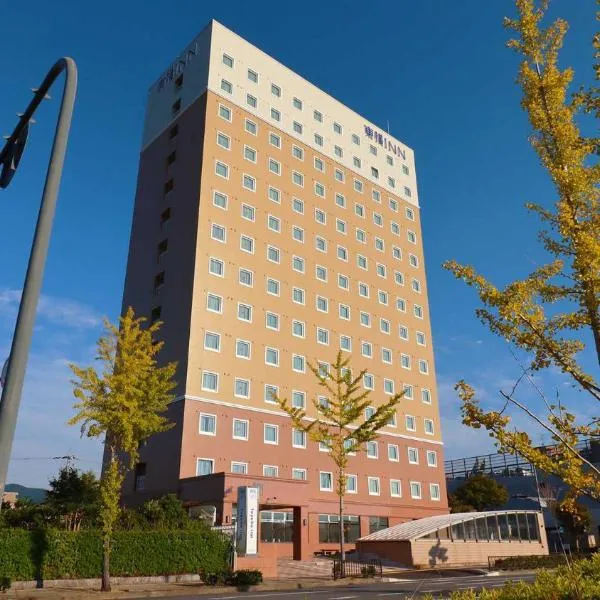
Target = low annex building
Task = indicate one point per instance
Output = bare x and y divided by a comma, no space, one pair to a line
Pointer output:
458,539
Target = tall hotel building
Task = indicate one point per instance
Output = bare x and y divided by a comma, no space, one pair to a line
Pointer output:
274,226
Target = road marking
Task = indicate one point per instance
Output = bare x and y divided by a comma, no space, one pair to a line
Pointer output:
343,597
265,595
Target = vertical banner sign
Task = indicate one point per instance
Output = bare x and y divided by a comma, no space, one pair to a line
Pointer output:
247,521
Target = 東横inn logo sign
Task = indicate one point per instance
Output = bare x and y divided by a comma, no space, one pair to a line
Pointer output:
378,137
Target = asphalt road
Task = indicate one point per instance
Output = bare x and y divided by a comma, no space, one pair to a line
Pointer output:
398,590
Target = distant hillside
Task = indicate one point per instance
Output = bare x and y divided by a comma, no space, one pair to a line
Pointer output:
37,495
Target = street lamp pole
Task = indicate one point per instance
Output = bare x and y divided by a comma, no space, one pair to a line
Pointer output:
9,162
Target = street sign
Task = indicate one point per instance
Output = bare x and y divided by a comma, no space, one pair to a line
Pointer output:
247,521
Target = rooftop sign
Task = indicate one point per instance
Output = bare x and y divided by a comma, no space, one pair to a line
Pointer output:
378,137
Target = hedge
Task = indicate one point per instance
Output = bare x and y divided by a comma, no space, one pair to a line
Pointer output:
56,554
546,561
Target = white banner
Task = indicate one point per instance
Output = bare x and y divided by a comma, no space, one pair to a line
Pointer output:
247,521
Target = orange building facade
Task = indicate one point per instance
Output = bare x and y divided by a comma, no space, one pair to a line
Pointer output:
274,226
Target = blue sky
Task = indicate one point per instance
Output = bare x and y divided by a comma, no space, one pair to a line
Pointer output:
438,71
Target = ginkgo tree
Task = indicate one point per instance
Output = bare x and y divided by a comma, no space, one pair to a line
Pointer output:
339,422
553,315
125,401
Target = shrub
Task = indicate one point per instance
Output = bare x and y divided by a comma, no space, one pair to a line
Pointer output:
220,577
368,571
5,583
547,561
246,577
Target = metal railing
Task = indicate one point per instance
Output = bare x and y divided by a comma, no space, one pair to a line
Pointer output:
356,568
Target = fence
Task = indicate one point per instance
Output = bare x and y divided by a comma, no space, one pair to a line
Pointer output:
356,568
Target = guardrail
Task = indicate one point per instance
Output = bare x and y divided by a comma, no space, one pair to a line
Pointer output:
356,568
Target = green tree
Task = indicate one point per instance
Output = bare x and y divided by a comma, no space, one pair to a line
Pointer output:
73,496
340,422
554,313
125,402
576,521
478,493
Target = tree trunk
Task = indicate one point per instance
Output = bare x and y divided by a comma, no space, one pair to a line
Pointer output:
106,565
342,552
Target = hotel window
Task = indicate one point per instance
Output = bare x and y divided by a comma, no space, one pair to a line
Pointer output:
386,356
322,304
342,253
340,226
363,290
405,361
210,381
270,471
382,297
249,183
222,170
212,341
319,164
434,491
251,127
351,484
228,61
376,195
298,206
407,192
275,90
425,396
384,326
415,490
318,139
218,232
248,212
358,186
369,412
297,152
416,286
271,392
174,132
205,466
272,357
239,468
396,253
298,295
361,236
214,303
393,205
365,319
431,458
298,178
346,343
298,399
379,244
226,86
412,237
244,312
388,387
337,128
325,481
216,267
223,140
225,112
251,100
250,154
274,166
389,160
220,200
359,209
298,363
428,425
391,182
343,282
274,140
344,312
272,321
395,228
410,215
404,170
274,195
207,424
321,272
299,474
273,254
298,438
338,151
398,278
418,310
241,388
298,264
298,329
298,233
242,349
271,434
410,423
377,219
393,453
373,150
381,272
297,103
408,391
368,381
273,223
319,189
366,349
320,244
395,488
297,127
317,116
355,139
320,216
413,456
423,366
247,244
275,115
272,286
356,161
252,76
373,486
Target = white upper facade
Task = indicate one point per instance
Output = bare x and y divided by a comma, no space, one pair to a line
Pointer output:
224,63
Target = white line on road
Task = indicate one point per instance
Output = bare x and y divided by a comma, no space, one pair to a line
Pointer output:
266,595
343,597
